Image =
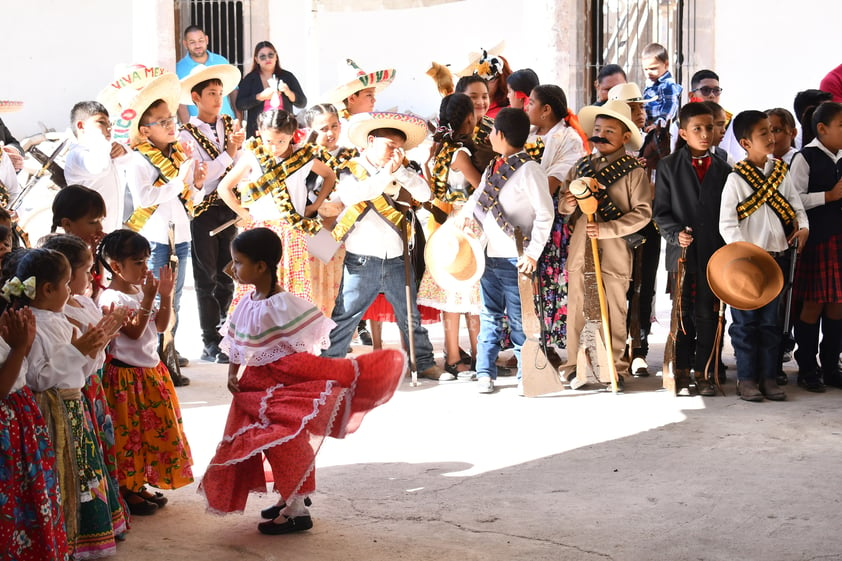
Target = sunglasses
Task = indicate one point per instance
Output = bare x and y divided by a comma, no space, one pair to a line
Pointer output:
163,122
265,56
705,90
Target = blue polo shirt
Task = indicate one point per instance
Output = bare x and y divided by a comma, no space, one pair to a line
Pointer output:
185,65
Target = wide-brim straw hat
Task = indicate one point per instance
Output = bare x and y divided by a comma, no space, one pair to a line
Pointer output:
744,276
138,87
474,58
361,124
455,260
615,109
8,106
228,74
630,93
359,80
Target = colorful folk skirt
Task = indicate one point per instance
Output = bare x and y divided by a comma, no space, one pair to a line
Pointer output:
31,518
325,280
431,295
381,310
552,278
149,441
284,411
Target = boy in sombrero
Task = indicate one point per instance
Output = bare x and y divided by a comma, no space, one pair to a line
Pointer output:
624,208
373,230
761,206
217,139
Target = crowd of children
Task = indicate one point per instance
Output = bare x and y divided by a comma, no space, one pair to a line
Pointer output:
89,413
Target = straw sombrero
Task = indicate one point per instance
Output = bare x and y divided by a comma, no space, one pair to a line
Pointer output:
228,74
744,276
361,124
616,109
359,80
455,260
629,93
8,106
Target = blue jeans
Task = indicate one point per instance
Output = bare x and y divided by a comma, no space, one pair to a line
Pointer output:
499,295
160,256
756,336
363,278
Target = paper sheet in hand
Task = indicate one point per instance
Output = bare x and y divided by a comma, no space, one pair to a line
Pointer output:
323,245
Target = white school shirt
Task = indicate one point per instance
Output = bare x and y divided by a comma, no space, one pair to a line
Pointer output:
53,361
88,314
20,381
265,208
142,351
763,227
526,202
799,171
8,176
89,163
141,176
562,149
371,235
216,167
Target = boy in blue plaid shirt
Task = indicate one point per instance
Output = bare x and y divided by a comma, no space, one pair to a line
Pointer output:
659,84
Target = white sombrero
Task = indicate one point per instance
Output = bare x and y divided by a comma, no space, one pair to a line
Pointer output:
228,74
361,124
132,92
615,109
477,58
630,93
455,260
358,81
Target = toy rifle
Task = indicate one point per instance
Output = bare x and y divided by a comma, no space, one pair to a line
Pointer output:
669,372
13,206
539,376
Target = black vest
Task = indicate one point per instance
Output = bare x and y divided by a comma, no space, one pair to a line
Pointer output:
826,219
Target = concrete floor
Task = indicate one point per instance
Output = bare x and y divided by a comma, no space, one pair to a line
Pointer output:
443,473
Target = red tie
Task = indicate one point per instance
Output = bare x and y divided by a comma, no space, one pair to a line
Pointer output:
701,166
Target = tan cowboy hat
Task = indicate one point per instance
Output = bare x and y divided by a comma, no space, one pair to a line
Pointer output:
484,55
744,276
455,260
7,106
615,109
358,81
630,93
361,124
228,74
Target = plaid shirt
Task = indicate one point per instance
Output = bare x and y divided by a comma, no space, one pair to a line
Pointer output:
669,98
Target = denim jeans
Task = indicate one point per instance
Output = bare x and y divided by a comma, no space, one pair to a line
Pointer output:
756,336
363,278
161,256
499,295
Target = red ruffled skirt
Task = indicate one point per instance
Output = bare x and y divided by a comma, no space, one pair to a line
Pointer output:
284,410
381,310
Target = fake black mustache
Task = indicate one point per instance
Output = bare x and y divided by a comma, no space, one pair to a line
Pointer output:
599,140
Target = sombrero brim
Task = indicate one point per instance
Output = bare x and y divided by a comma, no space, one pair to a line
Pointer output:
7,106
378,79
474,57
361,124
588,115
228,74
166,87
718,266
442,277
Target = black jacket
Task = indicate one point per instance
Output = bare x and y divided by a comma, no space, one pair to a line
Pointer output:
247,100
680,202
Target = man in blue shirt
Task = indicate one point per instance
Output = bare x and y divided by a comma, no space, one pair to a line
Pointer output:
196,43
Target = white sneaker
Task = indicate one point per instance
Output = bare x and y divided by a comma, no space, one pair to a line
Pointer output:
485,384
520,388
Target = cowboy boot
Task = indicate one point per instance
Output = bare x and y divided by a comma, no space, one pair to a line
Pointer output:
703,385
807,340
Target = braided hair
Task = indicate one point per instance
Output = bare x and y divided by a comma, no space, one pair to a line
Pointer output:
552,95
261,244
120,245
277,120
46,265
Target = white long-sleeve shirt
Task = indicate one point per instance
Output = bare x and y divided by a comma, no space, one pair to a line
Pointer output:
526,202
562,149
89,164
800,174
371,234
53,362
216,166
763,227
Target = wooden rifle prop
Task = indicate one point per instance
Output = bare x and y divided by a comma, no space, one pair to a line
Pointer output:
13,206
56,171
584,189
674,380
169,356
539,376
17,230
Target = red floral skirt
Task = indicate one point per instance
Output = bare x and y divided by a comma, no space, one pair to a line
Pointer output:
284,411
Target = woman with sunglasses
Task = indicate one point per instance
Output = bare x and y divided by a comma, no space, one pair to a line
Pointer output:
267,86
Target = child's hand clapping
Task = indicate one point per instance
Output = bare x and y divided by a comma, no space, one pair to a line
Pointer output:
236,139
17,327
149,286
166,282
92,341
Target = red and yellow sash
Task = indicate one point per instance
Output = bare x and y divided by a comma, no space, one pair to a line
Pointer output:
167,167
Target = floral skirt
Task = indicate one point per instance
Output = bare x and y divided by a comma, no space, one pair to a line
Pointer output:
284,411
325,280
430,294
149,441
552,278
31,518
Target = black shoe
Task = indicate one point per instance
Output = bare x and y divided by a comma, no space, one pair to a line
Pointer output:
182,361
157,497
832,378
290,525
365,336
782,379
211,353
142,508
180,380
274,511
810,381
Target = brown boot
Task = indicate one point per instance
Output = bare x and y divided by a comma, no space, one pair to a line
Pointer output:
772,391
748,390
682,382
703,385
